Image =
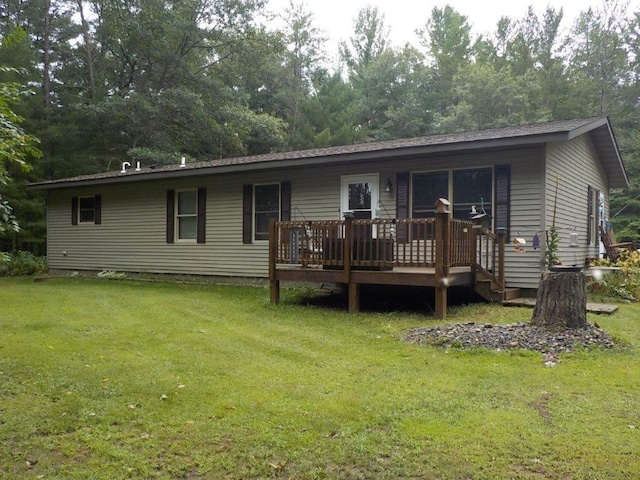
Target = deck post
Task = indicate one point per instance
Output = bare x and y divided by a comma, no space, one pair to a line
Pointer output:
501,244
274,283
354,298
443,256
346,248
347,244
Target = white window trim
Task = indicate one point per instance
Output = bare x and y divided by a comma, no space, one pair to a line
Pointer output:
253,209
177,216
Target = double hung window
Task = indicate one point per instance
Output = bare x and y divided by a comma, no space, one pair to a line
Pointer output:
186,214
261,203
266,206
86,210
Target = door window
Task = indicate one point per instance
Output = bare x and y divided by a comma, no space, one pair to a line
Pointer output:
360,195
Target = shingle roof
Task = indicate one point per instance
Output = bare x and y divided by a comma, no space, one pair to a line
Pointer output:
489,138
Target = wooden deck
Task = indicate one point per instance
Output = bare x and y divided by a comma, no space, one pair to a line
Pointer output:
437,252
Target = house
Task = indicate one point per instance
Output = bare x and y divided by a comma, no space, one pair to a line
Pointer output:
213,217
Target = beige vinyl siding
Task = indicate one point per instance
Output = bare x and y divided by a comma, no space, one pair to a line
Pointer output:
522,269
575,166
132,236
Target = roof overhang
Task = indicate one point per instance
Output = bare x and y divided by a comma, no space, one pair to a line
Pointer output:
606,146
482,140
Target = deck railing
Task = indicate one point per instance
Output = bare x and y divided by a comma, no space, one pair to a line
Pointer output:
390,248
490,260
377,243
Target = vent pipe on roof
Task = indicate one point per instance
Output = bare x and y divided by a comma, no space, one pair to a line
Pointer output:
183,162
124,167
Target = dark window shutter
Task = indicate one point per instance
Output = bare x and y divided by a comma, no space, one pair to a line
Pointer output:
503,199
202,215
97,209
171,198
247,212
285,201
74,210
590,215
402,204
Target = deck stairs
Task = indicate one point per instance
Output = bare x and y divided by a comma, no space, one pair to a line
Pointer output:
490,289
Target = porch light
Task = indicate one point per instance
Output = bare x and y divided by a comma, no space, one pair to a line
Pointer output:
389,186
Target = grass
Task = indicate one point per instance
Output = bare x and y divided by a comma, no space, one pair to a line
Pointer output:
119,379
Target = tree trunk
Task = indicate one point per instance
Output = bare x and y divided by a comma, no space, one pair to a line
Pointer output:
88,47
561,302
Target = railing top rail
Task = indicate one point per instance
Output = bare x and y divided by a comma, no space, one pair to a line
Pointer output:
485,231
360,221
309,223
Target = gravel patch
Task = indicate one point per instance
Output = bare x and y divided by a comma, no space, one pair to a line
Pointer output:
513,336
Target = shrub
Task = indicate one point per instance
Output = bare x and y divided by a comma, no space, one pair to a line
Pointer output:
21,264
624,282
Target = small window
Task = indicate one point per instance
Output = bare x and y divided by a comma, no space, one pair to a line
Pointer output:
86,210
187,215
266,207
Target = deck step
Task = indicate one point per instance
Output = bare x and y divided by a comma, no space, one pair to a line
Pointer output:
485,289
511,293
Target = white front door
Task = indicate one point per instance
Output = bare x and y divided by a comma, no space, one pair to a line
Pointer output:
359,195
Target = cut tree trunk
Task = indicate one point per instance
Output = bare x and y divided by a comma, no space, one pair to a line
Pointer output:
561,302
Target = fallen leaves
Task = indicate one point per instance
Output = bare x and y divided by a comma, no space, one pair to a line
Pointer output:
278,466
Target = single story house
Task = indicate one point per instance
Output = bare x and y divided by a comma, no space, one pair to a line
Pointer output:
212,217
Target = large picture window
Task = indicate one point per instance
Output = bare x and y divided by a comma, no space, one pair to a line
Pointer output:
427,188
469,190
472,192
488,188
266,207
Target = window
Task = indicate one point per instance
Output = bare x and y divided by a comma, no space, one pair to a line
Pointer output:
595,214
359,195
418,192
260,203
186,215
86,210
266,207
427,188
472,192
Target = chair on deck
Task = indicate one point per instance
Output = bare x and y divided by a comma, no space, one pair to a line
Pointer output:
613,248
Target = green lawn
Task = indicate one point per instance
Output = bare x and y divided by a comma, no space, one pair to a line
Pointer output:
120,379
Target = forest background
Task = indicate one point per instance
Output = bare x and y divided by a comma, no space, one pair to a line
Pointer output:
105,81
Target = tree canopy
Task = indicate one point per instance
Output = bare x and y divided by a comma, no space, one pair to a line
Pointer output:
153,81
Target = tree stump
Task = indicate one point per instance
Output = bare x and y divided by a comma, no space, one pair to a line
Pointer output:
561,302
